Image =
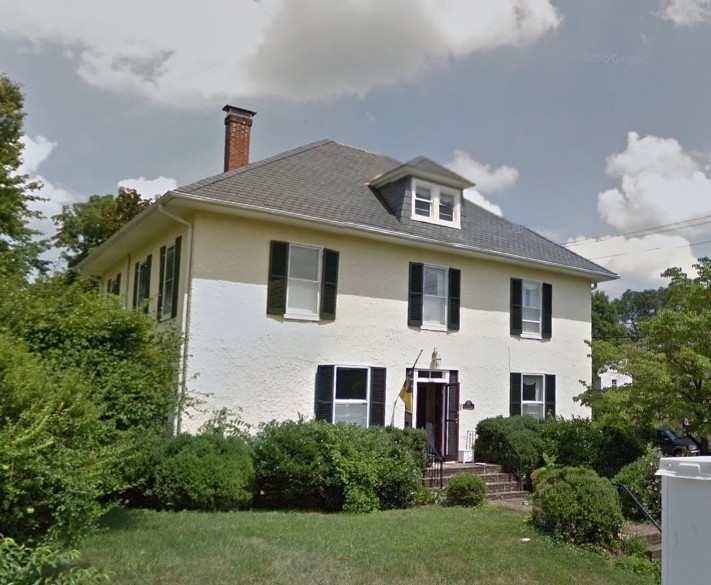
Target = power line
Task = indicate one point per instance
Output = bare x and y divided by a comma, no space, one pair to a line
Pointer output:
650,250
669,227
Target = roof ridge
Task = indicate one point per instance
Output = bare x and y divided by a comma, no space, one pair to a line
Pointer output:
255,165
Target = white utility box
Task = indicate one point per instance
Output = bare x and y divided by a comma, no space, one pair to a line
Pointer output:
686,520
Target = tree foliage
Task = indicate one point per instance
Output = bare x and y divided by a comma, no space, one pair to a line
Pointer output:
670,363
605,320
85,225
18,252
635,307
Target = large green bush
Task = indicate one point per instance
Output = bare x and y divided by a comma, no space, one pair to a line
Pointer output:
318,465
205,472
515,442
639,476
578,442
576,505
465,489
43,565
57,454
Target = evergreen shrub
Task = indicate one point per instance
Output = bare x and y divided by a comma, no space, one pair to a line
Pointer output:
516,443
576,505
639,477
465,489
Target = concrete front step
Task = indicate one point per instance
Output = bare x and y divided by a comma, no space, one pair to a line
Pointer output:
649,533
499,484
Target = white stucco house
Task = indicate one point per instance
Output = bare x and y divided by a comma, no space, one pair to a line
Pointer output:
307,284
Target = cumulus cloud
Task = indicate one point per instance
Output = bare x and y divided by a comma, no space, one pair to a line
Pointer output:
485,178
660,184
638,261
687,12
149,187
298,49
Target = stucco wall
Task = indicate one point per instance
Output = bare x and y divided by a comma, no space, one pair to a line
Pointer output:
242,358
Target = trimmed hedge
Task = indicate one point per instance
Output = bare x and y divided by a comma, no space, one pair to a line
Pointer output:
465,489
576,505
318,465
515,442
206,472
639,476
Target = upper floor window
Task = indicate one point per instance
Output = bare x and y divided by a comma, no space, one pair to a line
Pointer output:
434,297
169,277
303,281
142,282
113,285
435,204
531,308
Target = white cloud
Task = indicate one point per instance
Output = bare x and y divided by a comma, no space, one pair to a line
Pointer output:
659,184
35,151
687,12
149,187
297,49
638,261
484,177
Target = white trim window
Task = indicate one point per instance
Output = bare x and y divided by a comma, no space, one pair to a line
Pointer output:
304,281
434,296
434,203
531,308
533,396
351,394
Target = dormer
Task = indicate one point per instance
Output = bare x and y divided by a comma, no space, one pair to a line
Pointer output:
423,191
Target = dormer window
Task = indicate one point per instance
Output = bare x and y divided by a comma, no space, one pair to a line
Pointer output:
434,203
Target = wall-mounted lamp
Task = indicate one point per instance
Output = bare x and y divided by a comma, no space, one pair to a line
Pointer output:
436,360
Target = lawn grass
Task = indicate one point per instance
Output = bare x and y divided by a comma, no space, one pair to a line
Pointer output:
421,546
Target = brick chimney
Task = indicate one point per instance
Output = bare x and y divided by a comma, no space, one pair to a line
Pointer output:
238,124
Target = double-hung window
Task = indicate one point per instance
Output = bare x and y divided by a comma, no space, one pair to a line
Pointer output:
350,394
532,395
531,308
169,280
434,297
142,283
303,281
113,285
434,203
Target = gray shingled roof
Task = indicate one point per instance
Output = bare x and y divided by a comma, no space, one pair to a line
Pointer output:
330,182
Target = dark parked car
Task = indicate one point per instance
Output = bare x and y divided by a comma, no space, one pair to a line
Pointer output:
671,444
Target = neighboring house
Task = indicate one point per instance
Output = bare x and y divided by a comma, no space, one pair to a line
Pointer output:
308,283
610,378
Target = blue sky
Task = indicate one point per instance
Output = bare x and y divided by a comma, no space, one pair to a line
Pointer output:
586,120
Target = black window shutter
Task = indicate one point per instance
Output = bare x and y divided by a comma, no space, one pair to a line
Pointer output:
278,272
453,302
516,302
515,394
117,284
323,406
161,280
377,396
329,284
176,276
550,394
414,309
547,325
147,279
136,278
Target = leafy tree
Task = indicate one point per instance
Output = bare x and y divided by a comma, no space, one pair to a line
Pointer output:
670,363
635,307
19,254
605,322
83,226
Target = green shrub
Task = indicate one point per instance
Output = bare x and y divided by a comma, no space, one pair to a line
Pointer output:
415,440
652,570
24,565
465,489
515,442
423,496
578,442
203,472
318,465
577,505
639,477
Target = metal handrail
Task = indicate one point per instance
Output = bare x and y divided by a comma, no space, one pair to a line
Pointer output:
639,504
435,465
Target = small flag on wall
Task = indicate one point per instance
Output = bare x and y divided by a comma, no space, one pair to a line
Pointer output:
407,387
